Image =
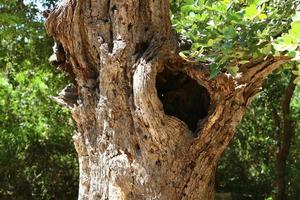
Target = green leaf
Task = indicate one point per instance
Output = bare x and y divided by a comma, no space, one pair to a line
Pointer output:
182,55
189,2
251,11
229,32
295,29
297,56
3,81
187,8
292,54
214,71
210,42
233,70
242,62
297,80
266,50
262,16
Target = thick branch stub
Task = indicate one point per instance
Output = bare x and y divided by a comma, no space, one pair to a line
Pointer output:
183,98
68,96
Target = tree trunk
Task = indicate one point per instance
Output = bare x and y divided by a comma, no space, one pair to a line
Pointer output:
150,124
285,140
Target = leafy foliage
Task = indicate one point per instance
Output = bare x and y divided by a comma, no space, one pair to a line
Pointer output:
229,33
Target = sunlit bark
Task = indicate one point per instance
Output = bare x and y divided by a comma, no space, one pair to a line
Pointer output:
123,55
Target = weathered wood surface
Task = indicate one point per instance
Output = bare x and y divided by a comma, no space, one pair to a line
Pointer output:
128,147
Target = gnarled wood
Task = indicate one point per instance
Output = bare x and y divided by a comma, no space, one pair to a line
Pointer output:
128,147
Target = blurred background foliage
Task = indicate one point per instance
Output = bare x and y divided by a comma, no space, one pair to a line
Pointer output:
247,169
37,158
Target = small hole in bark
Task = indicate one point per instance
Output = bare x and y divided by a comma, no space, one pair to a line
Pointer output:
140,49
183,98
151,150
130,195
105,20
129,27
113,8
192,165
111,43
139,130
138,150
158,163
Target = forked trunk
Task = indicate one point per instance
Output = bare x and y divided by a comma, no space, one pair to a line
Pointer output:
150,124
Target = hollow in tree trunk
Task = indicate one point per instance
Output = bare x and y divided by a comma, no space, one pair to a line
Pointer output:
151,125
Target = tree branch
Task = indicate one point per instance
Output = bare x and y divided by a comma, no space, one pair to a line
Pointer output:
229,98
288,131
258,69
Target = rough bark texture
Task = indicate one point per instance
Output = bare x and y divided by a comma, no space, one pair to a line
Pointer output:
286,134
128,147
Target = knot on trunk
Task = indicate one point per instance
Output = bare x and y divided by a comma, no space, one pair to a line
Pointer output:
183,98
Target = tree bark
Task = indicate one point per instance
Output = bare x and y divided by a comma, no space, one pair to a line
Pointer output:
285,140
132,142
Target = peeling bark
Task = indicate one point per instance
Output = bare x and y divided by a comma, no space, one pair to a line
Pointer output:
128,147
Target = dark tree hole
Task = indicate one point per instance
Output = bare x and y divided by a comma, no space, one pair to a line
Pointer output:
183,97
138,150
140,49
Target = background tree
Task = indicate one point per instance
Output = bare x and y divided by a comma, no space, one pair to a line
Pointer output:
286,133
251,159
